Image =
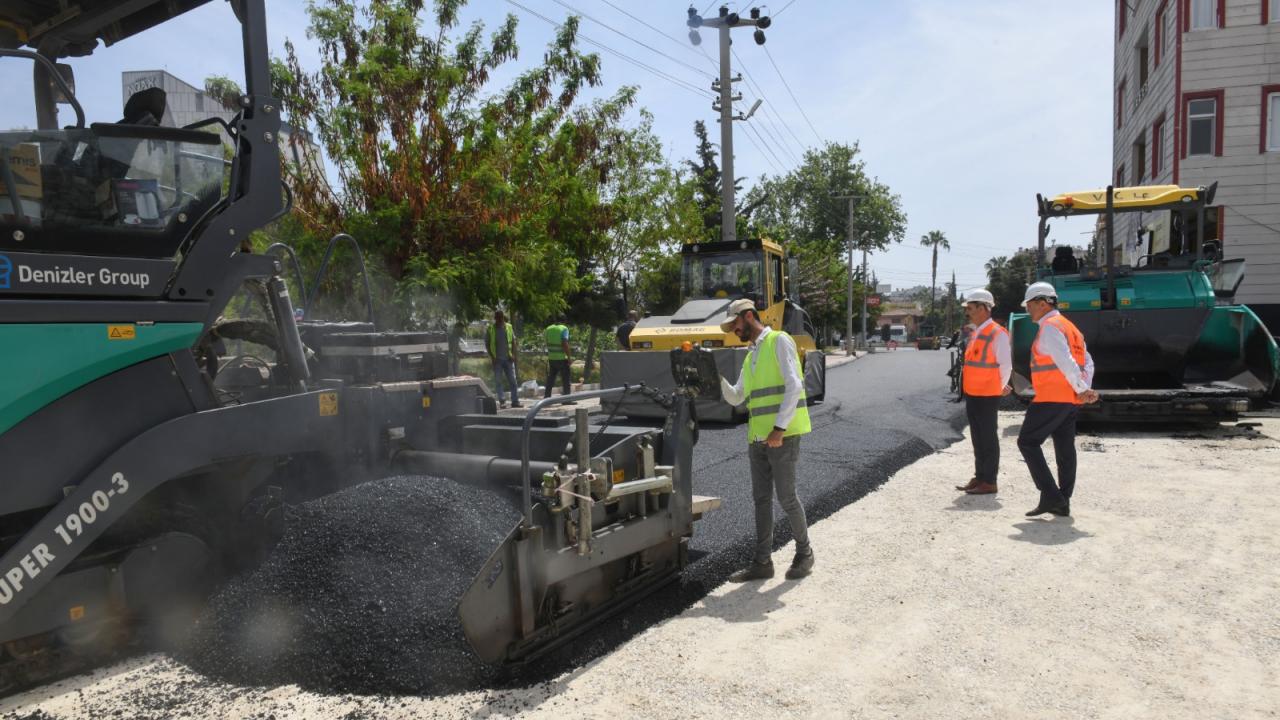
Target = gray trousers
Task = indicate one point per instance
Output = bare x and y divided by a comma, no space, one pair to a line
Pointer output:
774,470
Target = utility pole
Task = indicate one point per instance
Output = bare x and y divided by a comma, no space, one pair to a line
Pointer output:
848,346
724,104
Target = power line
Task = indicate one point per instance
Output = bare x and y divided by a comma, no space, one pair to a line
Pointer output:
758,94
659,73
762,153
784,8
578,12
789,92
755,87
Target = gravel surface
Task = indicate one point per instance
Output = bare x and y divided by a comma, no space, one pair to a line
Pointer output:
1157,600
360,594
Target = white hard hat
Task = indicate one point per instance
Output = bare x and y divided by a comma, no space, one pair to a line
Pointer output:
980,295
1039,290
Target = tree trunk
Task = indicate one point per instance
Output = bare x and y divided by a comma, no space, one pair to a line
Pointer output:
591,355
933,281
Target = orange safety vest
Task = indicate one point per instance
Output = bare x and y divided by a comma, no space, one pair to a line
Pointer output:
1047,380
981,370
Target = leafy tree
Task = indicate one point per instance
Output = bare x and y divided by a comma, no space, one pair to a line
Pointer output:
465,195
223,89
708,182
934,239
799,210
1008,277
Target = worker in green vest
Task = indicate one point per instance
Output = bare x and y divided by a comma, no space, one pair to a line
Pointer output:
557,357
773,389
500,343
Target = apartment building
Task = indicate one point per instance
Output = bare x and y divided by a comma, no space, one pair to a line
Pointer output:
1197,101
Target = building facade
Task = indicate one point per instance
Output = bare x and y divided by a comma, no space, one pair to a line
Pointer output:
186,104
1197,101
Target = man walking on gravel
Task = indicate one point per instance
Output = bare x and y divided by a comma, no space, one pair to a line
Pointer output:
1061,375
988,364
772,387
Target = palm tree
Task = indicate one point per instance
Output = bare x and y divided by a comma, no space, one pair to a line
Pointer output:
934,239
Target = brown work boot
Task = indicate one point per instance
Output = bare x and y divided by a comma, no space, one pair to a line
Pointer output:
982,489
973,483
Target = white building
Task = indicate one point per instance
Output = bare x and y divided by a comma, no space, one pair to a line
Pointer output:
1197,101
186,104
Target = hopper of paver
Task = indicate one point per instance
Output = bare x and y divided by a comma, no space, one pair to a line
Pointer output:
606,512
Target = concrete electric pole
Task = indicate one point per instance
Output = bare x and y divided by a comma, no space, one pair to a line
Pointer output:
848,346
724,104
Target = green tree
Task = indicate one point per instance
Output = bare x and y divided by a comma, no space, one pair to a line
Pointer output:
223,89
799,210
1007,280
465,195
934,239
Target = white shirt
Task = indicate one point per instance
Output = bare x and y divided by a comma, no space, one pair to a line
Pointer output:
1004,353
1050,341
793,384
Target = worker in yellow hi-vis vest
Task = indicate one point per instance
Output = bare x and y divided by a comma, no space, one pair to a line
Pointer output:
558,357
773,389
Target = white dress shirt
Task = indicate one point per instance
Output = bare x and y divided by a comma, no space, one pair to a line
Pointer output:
785,349
1050,341
1004,353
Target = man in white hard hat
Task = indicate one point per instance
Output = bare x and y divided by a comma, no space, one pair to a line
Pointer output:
1062,376
988,363
771,385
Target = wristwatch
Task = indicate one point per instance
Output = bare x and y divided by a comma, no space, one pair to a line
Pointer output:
781,430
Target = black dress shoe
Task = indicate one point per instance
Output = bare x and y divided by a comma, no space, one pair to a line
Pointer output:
756,571
1059,509
1063,510
801,566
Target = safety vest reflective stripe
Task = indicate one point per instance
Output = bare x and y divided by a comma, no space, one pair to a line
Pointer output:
975,364
771,390
765,410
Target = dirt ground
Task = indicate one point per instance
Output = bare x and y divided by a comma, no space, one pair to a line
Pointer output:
1158,600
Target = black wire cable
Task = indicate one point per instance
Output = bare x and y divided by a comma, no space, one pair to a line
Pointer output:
787,85
655,71
651,48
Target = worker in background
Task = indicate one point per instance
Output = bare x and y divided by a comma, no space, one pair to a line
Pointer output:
1062,376
988,364
456,333
624,330
557,357
771,385
500,343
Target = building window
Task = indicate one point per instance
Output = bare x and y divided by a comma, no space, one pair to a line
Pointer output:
1157,146
1120,176
1204,14
1158,33
1270,11
1139,159
1123,15
1270,118
1120,105
1202,117
1141,57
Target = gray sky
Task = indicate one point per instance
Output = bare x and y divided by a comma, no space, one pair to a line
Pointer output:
966,110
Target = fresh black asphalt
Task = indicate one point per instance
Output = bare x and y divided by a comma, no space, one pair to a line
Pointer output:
381,621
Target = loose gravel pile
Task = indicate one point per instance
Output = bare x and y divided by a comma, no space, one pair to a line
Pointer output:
360,595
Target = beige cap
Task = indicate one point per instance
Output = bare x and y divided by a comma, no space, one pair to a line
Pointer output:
736,308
